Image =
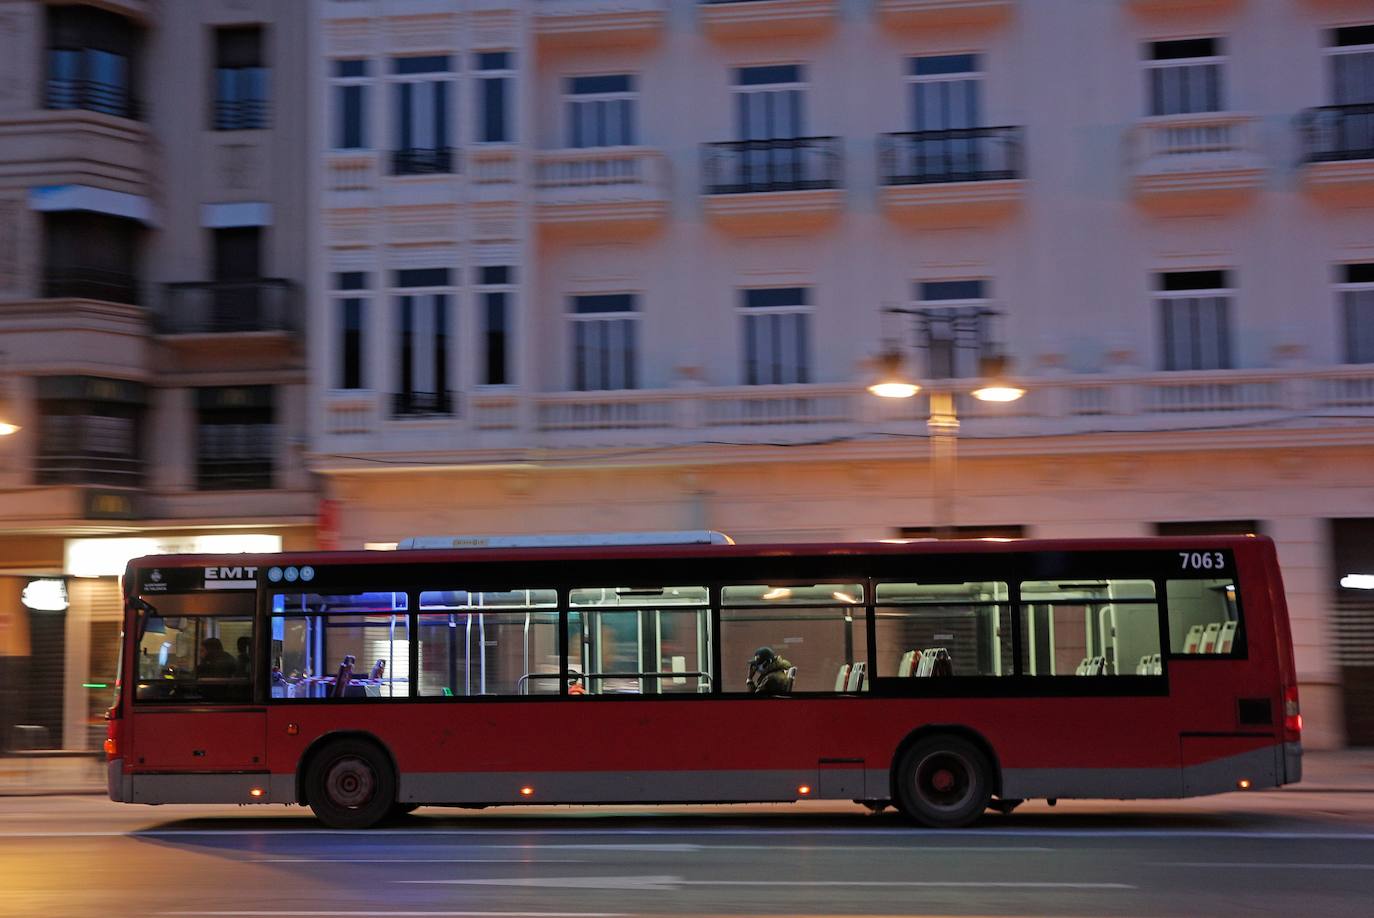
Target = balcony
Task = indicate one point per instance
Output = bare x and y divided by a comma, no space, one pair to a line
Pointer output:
793,181
585,188
88,95
1198,162
939,173
63,282
1138,412
422,404
252,473
423,161
597,23
87,467
268,305
728,20
924,14
1338,150
242,114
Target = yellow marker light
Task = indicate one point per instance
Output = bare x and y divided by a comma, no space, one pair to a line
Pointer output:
804,789
293,729
1243,784
526,791
255,792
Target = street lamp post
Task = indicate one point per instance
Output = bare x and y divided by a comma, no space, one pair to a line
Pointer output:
943,423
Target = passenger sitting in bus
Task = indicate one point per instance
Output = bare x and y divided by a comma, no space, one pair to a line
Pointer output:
768,673
378,671
214,661
943,665
341,679
575,686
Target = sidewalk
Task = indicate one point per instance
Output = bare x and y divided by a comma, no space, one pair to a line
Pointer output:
1349,771
35,774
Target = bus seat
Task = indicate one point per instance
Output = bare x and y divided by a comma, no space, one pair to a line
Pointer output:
1209,638
858,677
1156,664
1226,637
842,677
1082,669
908,662
791,678
1142,666
1193,640
927,664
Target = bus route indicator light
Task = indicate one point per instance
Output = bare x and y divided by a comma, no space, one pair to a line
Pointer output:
274,574
307,573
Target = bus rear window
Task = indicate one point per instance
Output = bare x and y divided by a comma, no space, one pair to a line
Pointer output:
1204,617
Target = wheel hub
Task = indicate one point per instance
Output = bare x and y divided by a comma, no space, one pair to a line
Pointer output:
350,783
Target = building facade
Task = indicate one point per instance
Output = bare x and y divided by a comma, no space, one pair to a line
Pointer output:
153,250
589,265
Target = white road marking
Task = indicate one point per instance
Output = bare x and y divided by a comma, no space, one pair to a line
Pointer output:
661,883
1262,865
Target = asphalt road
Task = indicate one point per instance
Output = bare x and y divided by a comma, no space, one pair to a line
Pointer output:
1282,853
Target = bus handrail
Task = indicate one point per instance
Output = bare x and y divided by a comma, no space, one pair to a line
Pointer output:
522,684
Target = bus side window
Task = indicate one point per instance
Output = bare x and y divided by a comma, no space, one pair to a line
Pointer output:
1089,628
818,629
1204,617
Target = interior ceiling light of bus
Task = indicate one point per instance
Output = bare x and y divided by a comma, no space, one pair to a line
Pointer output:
778,593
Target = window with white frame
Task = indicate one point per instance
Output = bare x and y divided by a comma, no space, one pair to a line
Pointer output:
1355,292
349,79
945,91
421,90
1351,52
601,111
954,326
769,102
423,299
495,85
495,296
1194,311
777,342
350,307
1184,76
604,335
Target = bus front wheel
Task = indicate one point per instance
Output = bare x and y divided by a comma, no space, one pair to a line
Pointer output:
350,785
944,782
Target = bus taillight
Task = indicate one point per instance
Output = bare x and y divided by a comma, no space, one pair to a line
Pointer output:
1292,719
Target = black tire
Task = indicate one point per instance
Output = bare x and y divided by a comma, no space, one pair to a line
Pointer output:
350,785
944,782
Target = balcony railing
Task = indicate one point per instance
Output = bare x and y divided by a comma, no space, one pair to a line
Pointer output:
242,114
75,282
220,307
791,164
87,468
106,98
1205,142
598,167
1336,133
422,404
1066,405
422,161
242,474
955,155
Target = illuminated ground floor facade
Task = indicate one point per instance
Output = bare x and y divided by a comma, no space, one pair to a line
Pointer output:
1316,503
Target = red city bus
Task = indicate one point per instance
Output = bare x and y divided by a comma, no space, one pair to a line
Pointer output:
943,677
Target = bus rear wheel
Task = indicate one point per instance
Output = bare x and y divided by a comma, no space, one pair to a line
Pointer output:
944,782
350,785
